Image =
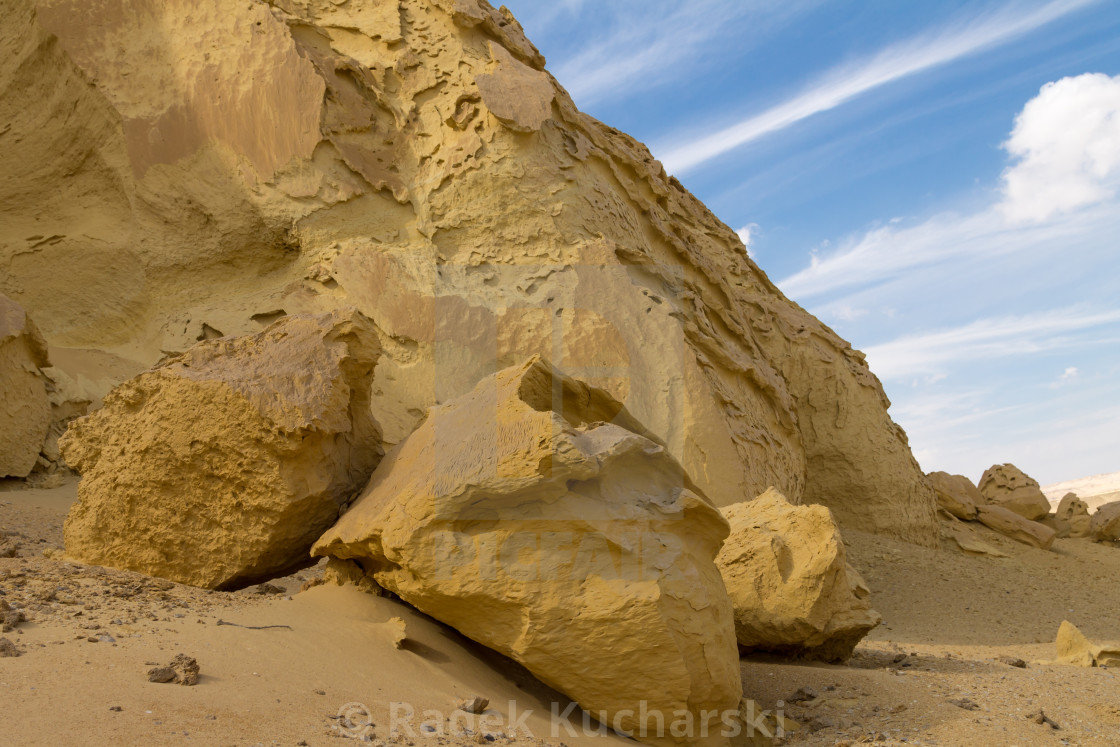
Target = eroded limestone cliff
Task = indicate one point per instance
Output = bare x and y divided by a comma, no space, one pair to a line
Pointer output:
187,169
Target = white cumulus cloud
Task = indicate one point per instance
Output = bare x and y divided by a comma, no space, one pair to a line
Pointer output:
746,235
1067,145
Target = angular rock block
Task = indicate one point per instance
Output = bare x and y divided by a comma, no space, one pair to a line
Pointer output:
536,516
220,467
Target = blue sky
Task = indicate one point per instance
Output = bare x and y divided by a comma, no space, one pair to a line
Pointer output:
938,181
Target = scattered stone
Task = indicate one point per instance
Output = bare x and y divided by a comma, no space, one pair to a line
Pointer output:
8,649
965,703
183,670
791,587
161,674
1041,718
956,494
475,705
398,631
1013,661
222,465
116,709
1016,527
271,589
1007,486
803,695
10,617
603,582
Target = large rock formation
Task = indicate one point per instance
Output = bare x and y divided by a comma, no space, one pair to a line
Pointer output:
956,494
1105,523
25,411
1008,486
536,516
791,588
1006,521
221,466
198,166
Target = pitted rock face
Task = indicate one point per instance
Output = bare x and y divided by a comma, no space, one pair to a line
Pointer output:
1008,486
536,516
791,587
1072,517
415,160
221,467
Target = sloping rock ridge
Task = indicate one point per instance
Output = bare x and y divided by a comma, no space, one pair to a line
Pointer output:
199,167
222,466
534,516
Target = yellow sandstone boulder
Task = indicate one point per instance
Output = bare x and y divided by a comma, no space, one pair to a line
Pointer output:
791,587
1071,518
536,516
956,494
1008,486
220,467
1013,525
1074,648
1105,523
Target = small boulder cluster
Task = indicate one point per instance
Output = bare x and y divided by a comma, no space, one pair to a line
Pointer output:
534,514
1010,502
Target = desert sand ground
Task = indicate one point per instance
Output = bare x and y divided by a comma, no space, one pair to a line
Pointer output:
952,623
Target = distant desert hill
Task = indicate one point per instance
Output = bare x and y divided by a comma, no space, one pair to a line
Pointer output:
1096,490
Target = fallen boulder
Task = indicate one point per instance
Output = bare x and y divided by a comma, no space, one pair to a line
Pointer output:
1074,648
1105,524
1008,486
536,516
1071,519
791,588
25,410
220,467
1013,525
956,494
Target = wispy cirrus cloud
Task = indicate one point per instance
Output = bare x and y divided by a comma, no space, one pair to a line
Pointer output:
1060,191
849,81
985,339
632,45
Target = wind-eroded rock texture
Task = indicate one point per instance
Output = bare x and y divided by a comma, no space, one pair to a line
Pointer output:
222,466
1008,486
791,587
536,516
184,169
